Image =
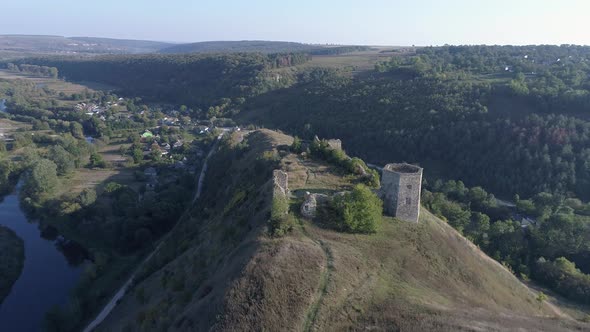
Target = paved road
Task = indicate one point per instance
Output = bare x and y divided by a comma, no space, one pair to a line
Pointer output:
119,295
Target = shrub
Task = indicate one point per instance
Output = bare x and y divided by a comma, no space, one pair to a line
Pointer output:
563,276
279,216
96,160
360,210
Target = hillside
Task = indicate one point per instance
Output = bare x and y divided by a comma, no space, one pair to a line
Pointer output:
238,46
219,269
90,45
196,80
261,46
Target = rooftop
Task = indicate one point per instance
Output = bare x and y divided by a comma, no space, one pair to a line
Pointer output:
402,168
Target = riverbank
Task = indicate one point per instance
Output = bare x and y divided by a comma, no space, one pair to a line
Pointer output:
12,258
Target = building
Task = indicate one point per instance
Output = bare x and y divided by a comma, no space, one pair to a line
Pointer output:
177,145
400,190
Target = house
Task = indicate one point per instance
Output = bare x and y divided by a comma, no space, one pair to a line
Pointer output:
177,145
169,121
203,130
166,147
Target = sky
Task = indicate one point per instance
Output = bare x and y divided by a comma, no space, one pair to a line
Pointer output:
362,22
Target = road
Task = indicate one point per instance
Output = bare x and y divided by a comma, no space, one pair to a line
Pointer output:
119,295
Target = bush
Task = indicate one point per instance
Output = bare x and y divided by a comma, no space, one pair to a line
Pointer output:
563,276
360,210
279,216
96,160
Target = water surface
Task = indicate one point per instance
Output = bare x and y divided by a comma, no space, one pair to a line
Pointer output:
47,277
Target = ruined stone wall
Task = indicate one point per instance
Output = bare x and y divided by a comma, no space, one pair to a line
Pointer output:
311,203
280,182
400,190
335,144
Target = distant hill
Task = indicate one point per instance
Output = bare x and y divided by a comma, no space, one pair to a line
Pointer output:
127,45
239,46
258,46
46,44
69,45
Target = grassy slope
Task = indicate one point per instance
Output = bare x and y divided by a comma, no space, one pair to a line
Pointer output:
12,257
227,275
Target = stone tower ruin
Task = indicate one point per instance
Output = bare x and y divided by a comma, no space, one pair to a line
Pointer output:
400,190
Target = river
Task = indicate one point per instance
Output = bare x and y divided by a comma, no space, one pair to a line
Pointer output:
51,270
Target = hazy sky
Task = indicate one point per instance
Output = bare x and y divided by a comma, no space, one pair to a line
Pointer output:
372,22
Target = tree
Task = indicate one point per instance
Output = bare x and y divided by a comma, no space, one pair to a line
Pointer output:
5,170
478,228
87,197
296,145
137,155
62,159
360,210
42,178
77,129
96,160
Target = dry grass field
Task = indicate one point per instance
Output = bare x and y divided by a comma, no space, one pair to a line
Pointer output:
55,84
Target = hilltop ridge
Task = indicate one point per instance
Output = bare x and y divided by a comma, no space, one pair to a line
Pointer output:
221,270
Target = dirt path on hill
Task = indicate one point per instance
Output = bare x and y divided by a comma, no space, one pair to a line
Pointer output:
325,277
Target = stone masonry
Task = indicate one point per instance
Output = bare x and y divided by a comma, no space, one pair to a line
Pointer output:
335,144
311,203
280,182
400,191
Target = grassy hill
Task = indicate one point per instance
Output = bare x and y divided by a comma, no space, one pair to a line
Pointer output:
221,271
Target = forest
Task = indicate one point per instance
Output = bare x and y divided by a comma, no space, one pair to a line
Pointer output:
191,79
491,133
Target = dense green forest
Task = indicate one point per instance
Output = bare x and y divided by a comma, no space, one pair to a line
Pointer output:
510,132
551,247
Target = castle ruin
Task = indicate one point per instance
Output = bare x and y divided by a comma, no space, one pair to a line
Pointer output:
335,144
400,191
311,203
280,181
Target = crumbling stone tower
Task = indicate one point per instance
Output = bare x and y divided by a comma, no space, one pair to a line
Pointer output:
400,190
